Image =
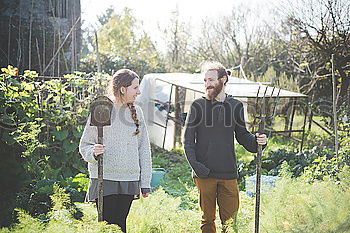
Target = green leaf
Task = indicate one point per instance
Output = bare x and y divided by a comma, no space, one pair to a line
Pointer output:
69,146
60,135
28,86
8,138
304,64
77,132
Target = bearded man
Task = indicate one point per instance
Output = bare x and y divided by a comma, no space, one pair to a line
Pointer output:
211,125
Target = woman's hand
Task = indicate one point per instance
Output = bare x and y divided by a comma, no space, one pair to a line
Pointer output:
98,149
261,139
144,195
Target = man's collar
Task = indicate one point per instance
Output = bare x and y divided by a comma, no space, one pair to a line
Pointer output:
224,100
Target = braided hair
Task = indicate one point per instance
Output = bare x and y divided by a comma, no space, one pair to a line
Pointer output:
134,117
124,78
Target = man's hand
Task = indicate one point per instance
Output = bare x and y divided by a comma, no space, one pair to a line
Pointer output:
261,139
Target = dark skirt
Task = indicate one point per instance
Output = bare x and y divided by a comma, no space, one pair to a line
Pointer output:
112,187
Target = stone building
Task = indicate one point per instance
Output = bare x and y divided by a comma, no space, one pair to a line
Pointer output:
40,35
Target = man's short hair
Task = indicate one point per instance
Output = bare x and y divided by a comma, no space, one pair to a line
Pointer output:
214,65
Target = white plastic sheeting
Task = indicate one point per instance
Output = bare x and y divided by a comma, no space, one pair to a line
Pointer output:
155,90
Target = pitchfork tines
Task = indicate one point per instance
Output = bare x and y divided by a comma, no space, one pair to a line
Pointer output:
262,112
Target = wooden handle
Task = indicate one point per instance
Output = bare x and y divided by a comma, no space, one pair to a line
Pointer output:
258,176
100,176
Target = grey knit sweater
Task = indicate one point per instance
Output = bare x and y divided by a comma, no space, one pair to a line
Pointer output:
126,157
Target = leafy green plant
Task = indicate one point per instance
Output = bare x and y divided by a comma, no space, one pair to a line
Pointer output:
59,219
330,165
298,161
41,122
46,119
77,186
35,199
120,47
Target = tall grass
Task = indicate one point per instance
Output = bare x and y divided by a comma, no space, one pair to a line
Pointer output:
162,213
297,206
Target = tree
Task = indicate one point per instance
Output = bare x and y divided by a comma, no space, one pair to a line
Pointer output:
321,28
104,18
178,36
88,31
234,40
122,45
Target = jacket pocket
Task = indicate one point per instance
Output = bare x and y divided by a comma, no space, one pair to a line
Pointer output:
220,157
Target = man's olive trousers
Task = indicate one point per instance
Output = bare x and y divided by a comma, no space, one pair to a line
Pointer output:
223,192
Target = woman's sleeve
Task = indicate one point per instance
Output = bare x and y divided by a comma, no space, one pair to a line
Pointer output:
87,142
144,149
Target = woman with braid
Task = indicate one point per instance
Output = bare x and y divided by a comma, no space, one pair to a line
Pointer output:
127,156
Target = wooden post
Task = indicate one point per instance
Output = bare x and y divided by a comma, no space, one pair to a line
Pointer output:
38,53
304,125
19,47
177,130
310,120
30,38
335,120
167,115
292,117
9,42
97,54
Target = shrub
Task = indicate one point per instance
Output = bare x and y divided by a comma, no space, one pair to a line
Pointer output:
292,206
77,187
41,123
59,219
35,198
329,165
298,161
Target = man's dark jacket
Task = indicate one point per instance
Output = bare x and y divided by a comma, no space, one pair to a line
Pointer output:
209,137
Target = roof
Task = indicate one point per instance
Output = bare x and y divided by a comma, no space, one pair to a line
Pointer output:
237,87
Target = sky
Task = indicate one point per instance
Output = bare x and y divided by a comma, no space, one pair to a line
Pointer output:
156,14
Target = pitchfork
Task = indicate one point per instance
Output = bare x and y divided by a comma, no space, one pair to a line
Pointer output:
262,116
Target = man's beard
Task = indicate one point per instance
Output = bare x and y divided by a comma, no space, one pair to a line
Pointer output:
216,90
